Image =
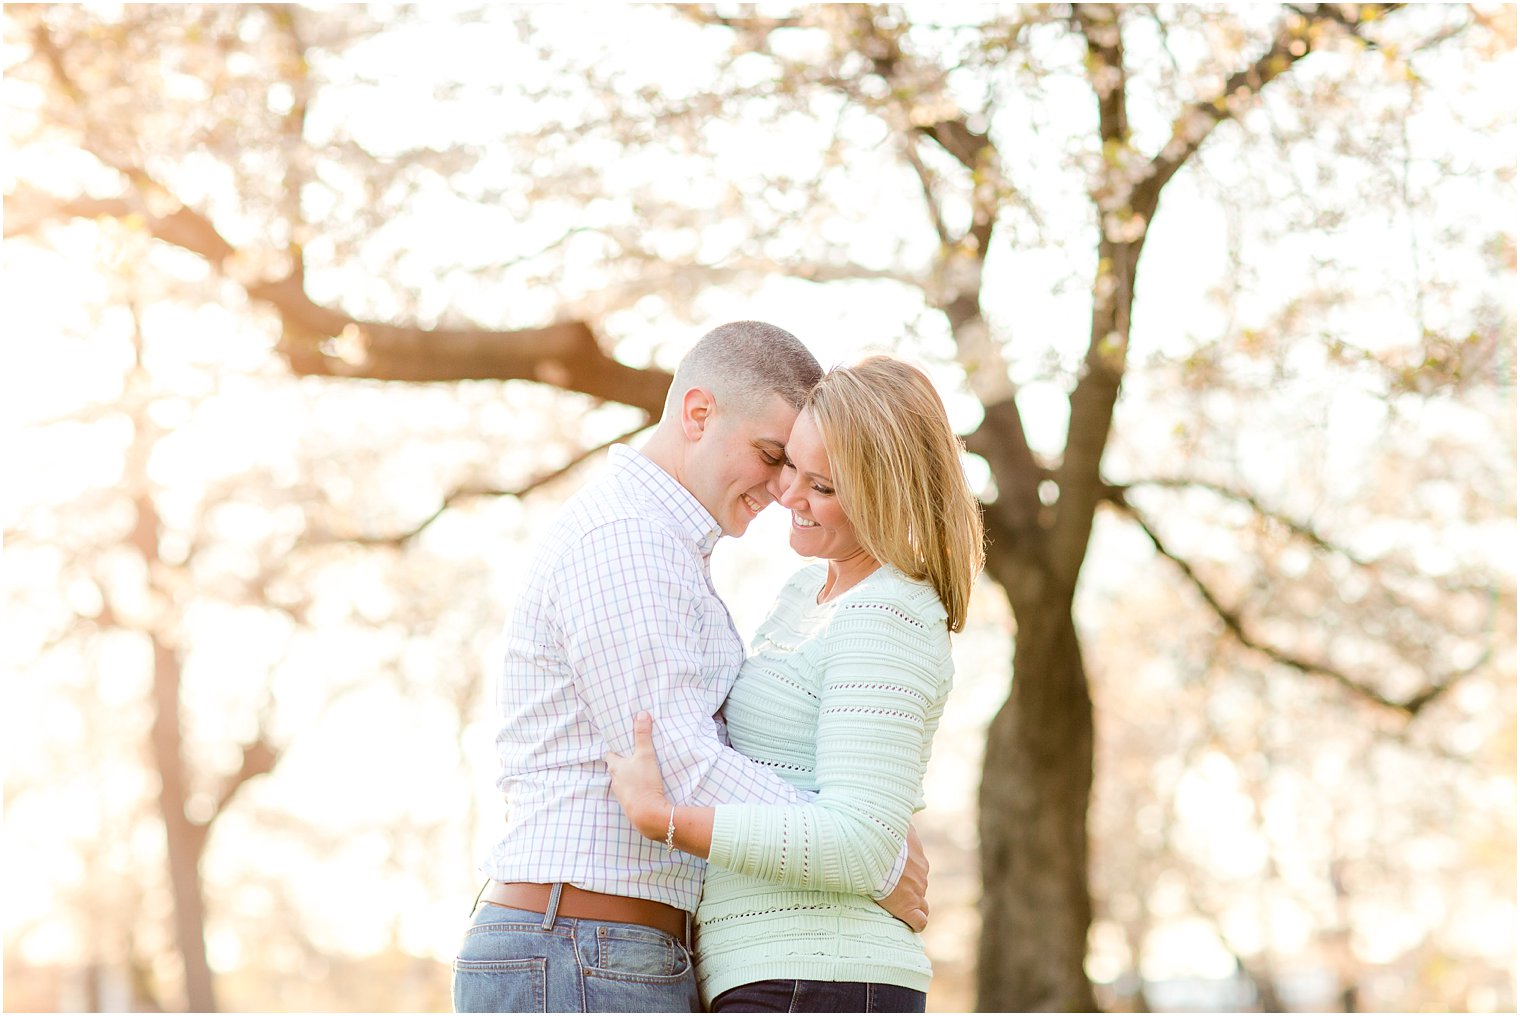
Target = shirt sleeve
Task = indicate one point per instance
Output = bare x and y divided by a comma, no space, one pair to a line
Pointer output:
636,628
882,691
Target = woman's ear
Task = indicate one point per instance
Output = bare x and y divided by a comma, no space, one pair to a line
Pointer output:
697,407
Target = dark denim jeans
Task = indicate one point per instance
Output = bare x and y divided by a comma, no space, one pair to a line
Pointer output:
819,996
520,961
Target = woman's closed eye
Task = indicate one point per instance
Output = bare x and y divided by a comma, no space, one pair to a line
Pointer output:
817,487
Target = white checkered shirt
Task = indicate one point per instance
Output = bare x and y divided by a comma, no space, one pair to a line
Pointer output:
617,613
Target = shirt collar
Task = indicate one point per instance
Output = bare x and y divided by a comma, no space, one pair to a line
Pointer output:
684,508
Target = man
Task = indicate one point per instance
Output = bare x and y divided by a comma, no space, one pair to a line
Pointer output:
618,613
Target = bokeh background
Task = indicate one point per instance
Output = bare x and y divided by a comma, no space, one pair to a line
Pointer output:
313,315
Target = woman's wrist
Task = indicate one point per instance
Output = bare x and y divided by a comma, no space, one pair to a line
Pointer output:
654,819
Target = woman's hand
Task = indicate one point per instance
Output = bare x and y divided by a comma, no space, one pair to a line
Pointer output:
906,902
637,784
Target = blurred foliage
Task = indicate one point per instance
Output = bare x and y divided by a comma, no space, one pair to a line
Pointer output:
1316,430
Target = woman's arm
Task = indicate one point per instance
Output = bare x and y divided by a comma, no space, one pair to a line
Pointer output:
639,788
881,688
881,691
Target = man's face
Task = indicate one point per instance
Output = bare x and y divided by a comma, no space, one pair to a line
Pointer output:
735,465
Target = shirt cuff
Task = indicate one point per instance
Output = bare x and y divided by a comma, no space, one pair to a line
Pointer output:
890,882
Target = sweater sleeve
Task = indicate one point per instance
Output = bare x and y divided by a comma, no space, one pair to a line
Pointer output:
885,676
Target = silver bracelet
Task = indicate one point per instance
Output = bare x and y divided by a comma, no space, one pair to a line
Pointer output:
670,830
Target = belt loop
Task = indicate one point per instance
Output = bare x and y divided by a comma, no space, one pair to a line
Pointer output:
687,942
476,905
552,910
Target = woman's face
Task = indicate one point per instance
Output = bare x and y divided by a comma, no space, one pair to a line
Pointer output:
820,527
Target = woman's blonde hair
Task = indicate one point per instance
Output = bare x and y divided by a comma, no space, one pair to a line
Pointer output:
896,467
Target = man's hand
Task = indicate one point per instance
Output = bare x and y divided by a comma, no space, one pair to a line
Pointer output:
907,902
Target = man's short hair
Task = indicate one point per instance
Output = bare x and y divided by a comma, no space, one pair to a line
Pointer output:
743,363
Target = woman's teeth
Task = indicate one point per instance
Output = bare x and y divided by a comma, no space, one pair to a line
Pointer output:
802,523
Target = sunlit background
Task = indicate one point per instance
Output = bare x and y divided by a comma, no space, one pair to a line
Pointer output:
284,591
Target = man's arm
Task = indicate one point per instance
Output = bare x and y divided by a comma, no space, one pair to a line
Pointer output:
636,627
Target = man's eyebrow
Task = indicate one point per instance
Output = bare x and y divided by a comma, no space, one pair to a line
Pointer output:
778,445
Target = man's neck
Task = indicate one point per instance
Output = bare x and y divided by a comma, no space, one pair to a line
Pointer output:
665,451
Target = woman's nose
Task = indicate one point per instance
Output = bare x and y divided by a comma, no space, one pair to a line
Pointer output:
787,494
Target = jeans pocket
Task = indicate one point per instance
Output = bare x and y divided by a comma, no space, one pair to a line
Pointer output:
639,952
639,970
606,991
501,985
894,998
773,995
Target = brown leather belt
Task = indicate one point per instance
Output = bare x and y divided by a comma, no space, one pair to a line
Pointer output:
586,904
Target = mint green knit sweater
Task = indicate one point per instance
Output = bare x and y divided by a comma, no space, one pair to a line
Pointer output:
841,698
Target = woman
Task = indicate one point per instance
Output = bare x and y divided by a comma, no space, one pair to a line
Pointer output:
842,696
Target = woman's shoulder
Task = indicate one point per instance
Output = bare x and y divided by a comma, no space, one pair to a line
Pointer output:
805,582
887,593
787,622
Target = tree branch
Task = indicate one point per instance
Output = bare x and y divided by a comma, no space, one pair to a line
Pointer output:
971,148
1126,199
966,146
298,171
1000,439
325,341
1121,235
754,25
931,198
812,271
1117,494
1301,529
467,492
1235,624
1295,39
1099,25
259,757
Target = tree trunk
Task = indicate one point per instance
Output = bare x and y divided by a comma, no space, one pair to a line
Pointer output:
186,839
1033,820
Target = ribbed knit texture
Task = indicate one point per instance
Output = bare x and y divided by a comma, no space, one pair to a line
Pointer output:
842,698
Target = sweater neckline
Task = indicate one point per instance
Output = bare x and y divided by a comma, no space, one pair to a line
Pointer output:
812,589
817,596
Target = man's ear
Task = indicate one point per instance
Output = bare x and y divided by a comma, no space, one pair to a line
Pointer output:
697,408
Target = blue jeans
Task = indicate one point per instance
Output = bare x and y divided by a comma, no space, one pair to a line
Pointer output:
819,996
521,961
